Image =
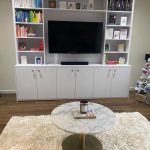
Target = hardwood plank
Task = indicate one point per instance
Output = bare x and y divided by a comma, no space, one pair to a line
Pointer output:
10,107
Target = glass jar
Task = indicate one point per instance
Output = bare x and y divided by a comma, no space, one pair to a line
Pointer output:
83,107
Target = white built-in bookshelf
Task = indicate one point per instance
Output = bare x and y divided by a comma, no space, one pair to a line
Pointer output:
31,16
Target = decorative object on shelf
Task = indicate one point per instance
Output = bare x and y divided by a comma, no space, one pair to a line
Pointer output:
122,60
90,4
112,19
83,107
121,47
78,6
112,62
52,4
84,6
30,32
143,84
23,59
62,4
123,21
70,5
38,60
109,33
107,47
22,46
123,34
41,48
116,34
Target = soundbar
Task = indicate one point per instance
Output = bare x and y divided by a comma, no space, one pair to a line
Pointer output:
74,63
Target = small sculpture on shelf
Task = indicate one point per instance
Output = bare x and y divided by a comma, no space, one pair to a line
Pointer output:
22,46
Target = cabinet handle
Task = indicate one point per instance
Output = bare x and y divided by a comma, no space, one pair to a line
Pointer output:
77,70
33,74
39,71
72,70
114,73
108,75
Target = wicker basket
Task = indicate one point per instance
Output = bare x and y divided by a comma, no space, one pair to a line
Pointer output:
140,97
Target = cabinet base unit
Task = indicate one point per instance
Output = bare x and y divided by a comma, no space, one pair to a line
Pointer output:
72,82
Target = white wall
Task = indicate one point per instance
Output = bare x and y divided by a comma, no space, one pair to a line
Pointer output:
7,50
140,43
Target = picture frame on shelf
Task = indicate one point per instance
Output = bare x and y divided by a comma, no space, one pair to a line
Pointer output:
52,4
107,47
78,6
38,60
70,5
116,34
62,5
23,59
121,47
123,21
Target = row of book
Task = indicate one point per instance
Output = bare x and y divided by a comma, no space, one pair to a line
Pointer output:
21,31
28,3
28,16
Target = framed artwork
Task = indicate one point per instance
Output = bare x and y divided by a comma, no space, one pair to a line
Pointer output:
123,21
78,6
38,60
62,4
52,4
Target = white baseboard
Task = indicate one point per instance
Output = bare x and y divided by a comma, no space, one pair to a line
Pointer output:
131,88
8,91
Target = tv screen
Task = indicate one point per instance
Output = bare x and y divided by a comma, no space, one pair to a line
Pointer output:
74,37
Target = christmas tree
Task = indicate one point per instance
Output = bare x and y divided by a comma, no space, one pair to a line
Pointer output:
143,84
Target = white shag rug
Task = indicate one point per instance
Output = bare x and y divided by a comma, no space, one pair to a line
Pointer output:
131,132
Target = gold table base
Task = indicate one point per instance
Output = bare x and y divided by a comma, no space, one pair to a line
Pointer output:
81,142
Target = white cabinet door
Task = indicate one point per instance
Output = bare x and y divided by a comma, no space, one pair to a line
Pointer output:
65,82
102,82
120,81
46,82
26,83
84,82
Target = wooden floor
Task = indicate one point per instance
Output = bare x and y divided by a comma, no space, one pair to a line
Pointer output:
10,107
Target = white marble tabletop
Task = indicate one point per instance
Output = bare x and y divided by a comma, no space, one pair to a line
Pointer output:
62,117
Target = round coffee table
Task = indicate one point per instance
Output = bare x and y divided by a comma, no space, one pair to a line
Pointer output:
82,139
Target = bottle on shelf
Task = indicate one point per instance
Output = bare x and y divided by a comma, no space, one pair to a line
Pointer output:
128,5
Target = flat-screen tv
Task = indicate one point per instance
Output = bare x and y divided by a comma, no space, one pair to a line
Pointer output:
75,37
